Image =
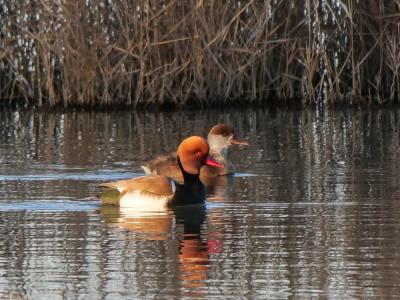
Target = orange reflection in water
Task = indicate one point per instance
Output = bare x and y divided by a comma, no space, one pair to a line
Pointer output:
193,265
187,224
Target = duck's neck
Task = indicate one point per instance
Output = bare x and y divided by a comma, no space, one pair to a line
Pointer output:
188,179
218,148
192,190
219,154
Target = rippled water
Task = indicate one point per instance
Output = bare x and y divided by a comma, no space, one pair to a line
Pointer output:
313,210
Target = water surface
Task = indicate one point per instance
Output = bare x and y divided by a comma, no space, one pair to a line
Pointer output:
313,210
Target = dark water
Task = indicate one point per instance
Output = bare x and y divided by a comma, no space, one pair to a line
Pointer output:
313,210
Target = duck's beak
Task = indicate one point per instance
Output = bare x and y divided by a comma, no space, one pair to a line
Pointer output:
212,162
239,142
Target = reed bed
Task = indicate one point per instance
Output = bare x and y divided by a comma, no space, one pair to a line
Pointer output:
151,53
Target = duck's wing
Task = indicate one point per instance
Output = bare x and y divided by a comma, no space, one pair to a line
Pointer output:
154,184
166,165
154,166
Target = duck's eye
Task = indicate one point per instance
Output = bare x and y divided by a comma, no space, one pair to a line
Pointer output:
198,155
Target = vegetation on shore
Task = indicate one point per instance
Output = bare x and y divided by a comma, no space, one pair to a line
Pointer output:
147,52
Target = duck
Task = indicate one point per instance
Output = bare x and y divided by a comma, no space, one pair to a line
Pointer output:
220,138
159,192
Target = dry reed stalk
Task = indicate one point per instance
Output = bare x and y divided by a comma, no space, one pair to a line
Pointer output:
148,52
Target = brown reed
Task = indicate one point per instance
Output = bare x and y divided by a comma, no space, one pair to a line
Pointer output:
151,53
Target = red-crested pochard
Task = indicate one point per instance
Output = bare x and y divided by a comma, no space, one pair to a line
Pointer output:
220,138
159,192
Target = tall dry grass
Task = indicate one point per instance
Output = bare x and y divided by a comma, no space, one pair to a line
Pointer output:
147,52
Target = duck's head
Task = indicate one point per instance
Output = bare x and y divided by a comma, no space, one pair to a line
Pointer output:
221,136
193,153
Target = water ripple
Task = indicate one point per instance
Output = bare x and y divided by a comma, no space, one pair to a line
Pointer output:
50,206
100,175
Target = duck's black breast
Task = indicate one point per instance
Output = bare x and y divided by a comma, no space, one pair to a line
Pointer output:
191,192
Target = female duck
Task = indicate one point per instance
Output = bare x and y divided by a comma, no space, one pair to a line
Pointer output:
220,138
159,192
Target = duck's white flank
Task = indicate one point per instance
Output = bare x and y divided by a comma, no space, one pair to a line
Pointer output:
144,201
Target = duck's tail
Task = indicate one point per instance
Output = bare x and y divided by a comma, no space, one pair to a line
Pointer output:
146,169
109,195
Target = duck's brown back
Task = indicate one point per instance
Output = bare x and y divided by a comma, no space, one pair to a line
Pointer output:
155,184
166,165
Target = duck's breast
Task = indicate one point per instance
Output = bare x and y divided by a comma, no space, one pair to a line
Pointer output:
209,171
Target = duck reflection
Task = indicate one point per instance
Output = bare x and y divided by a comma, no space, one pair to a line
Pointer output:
150,225
186,223
193,249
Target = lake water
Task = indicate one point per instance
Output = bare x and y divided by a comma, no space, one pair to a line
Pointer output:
313,210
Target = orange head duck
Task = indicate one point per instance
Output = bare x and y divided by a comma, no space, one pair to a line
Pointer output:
220,138
159,192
